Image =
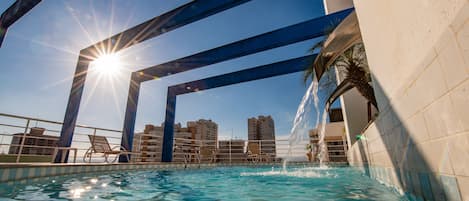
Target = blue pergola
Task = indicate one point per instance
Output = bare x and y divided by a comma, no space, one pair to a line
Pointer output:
176,18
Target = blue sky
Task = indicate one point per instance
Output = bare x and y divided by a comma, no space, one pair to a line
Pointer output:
39,56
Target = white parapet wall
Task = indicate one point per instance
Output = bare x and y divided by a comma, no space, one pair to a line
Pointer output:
354,105
418,52
332,6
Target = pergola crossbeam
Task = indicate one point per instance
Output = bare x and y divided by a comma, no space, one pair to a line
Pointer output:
183,15
13,14
256,73
284,36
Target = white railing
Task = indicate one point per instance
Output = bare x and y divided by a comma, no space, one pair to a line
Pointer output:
231,151
18,145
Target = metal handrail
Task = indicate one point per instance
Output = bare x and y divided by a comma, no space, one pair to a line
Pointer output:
17,149
229,151
56,122
226,150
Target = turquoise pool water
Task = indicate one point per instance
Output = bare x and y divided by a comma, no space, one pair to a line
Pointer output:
223,183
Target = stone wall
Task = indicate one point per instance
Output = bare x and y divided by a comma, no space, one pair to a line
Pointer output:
418,52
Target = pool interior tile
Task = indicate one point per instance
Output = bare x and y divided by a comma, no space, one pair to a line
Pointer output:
5,174
19,173
63,170
12,174
31,173
425,186
450,187
37,172
51,171
43,171
437,189
416,188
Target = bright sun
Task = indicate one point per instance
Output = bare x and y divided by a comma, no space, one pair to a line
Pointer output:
107,64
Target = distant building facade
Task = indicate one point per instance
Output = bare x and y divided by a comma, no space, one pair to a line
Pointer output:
262,128
334,137
149,143
231,151
35,142
205,131
186,140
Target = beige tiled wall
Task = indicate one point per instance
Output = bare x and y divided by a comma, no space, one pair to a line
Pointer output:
418,53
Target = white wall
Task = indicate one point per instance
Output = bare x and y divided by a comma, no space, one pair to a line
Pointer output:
332,6
355,112
335,129
418,52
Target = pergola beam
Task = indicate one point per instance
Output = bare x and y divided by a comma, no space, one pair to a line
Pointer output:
284,36
13,14
255,73
183,15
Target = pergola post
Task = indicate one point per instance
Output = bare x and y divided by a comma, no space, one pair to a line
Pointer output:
73,106
167,154
130,116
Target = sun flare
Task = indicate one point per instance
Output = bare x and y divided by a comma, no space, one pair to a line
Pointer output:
107,64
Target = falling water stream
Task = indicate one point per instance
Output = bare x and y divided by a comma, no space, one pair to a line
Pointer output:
303,123
322,155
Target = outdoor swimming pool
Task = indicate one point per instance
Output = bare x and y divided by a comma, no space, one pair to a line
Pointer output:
221,183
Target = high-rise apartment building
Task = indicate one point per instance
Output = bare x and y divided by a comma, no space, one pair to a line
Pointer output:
266,128
262,128
252,129
204,130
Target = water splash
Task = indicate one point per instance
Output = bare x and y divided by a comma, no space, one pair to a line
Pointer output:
307,172
323,153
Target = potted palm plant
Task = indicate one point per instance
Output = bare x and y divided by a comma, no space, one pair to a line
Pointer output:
343,49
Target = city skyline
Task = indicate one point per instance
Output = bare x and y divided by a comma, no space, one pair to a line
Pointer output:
266,126
36,82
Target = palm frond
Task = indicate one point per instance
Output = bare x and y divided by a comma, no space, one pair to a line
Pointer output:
307,74
316,46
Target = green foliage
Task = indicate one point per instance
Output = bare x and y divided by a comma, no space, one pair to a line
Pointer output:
352,64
